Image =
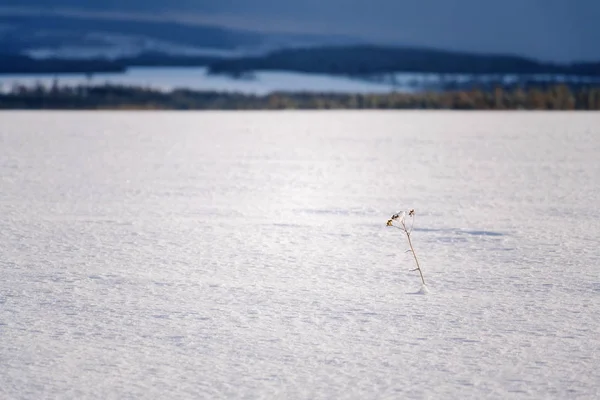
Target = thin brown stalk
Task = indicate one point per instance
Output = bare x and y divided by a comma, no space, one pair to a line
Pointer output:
412,250
401,218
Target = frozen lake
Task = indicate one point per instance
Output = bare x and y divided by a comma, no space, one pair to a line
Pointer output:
245,255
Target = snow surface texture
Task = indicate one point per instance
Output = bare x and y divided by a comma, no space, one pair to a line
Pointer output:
246,255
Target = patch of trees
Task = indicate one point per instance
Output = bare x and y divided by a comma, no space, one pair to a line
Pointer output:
558,97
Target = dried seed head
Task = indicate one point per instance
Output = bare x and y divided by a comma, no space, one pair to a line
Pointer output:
411,212
389,223
399,215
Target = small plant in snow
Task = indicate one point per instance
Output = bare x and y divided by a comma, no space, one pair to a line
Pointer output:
399,221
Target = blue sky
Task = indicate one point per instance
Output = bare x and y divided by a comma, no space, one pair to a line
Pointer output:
553,30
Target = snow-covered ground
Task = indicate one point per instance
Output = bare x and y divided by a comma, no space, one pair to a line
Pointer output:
245,255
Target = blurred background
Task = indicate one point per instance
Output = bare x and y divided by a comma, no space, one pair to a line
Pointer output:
264,47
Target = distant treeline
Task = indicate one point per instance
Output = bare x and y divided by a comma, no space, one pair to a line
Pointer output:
558,97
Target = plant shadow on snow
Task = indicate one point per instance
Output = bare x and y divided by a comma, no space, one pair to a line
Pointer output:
461,231
423,290
456,235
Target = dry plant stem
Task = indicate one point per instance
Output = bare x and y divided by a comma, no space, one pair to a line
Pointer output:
400,217
412,249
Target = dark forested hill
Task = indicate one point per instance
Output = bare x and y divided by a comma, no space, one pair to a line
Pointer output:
554,30
369,60
37,31
22,33
19,64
